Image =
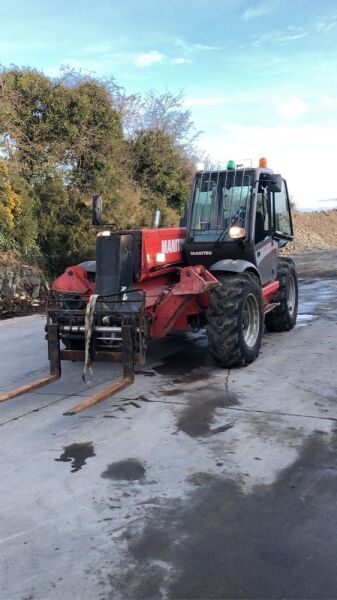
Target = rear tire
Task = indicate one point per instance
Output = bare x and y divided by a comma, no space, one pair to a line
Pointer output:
283,317
235,320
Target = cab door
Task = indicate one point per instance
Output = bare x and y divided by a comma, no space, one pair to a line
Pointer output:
282,227
266,248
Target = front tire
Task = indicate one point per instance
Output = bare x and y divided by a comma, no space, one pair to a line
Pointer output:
235,320
283,317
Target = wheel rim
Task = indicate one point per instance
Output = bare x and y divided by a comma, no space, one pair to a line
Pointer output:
251,321
291,299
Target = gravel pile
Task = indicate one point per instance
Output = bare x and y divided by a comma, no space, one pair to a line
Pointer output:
315,230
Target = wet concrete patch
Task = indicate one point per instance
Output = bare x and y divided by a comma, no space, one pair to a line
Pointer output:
125,470
304,319
193,377
77,454
276,542
197,417
191,364
317,298
172,392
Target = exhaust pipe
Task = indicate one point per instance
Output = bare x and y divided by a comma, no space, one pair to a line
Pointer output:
156,219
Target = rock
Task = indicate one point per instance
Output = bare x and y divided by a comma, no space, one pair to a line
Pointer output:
36,290
8,290
22,287
35,280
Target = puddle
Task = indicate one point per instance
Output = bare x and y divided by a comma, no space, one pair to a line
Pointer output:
124,470
77,454
303,319
197,417
316,299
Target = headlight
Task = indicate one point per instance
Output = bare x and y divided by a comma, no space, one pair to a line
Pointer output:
160,258
237,233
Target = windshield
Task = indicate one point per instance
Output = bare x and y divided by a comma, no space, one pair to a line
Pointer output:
220,200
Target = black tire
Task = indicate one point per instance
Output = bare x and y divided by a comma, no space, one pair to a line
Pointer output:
232,305
283,317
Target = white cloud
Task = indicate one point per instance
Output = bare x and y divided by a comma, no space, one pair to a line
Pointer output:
328,102
292,34
201,47
294,151
146,59
292,37
257,11
180,61
190,48
292,109
326,24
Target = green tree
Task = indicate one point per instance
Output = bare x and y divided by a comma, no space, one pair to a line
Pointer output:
64,139
64,225
17,228
62,136
161,168
57,126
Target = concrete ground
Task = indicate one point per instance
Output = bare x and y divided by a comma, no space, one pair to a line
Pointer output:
317,263
194,483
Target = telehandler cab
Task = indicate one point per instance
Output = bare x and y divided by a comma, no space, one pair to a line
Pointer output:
221,270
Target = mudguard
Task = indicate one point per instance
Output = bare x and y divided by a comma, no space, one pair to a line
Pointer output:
230,265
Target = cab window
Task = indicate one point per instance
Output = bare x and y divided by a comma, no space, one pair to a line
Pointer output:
262,221
282,221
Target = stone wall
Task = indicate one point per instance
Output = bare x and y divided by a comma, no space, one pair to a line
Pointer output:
21,281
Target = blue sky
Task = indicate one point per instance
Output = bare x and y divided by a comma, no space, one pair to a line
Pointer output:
260,77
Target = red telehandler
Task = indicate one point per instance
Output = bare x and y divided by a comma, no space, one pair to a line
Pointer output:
222,271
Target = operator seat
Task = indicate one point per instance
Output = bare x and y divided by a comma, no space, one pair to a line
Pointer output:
260,232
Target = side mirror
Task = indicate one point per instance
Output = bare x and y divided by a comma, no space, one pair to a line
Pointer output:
97,209
276,184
